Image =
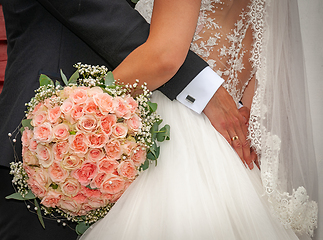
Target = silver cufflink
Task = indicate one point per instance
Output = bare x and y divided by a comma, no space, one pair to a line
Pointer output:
190,99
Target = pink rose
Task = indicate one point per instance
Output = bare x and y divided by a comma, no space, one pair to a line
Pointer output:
105,103
67,106
26,137
77,112
43,133
39,118
60,149
97,140
90,107
51,199
29,158
91,193
70,187
134,123
44,155
56,173
37,189
33,145
96,203
42,177
86,173
93,91
127,169
98,180
111,198
127,147
66,92
139,156
29,170
95,154
79,143
113,149
119,130
121,110
54,114
71,162
85,208
87,123
61,131
113,185
108,165
132,104
79,96
107,123
80,198
69,205
38,107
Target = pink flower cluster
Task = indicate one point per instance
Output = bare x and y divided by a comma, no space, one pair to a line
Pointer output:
82,154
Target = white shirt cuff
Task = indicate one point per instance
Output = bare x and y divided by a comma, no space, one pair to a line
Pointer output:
200,90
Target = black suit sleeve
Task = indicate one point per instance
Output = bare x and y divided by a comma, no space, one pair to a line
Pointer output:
114,29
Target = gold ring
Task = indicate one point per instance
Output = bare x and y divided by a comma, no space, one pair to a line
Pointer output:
234,138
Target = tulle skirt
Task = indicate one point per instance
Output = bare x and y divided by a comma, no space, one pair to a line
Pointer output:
199,189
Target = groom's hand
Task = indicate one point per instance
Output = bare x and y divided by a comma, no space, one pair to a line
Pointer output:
231,124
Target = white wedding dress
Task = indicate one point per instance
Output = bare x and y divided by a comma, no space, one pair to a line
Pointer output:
200,189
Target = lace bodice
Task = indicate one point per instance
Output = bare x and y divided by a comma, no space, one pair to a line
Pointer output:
223,38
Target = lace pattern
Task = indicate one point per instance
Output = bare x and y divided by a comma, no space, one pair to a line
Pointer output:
227,52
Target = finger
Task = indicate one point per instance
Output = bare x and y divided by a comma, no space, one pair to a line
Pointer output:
242,132
245,112
255,159
236,144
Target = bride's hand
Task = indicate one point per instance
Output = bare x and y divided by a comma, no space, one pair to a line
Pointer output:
231,124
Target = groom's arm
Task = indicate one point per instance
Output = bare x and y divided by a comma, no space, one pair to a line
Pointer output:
114,29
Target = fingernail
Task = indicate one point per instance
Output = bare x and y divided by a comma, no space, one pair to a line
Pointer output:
250,166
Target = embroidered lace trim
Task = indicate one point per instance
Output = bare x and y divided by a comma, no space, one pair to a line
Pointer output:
295,210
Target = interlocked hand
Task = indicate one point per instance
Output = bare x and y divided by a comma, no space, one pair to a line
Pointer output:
231,123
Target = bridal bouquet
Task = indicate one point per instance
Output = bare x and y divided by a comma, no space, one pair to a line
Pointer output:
84,144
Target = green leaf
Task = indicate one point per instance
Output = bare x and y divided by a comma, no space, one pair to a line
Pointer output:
144,166
74,77
40,217
134,1
164,133
152,106
22,129
154,130
17,196
64,78
109,79
54,186
151,156
44,80
81,227
27,123
89,187
153,152
72,132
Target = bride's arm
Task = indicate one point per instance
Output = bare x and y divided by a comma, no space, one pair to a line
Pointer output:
159,58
